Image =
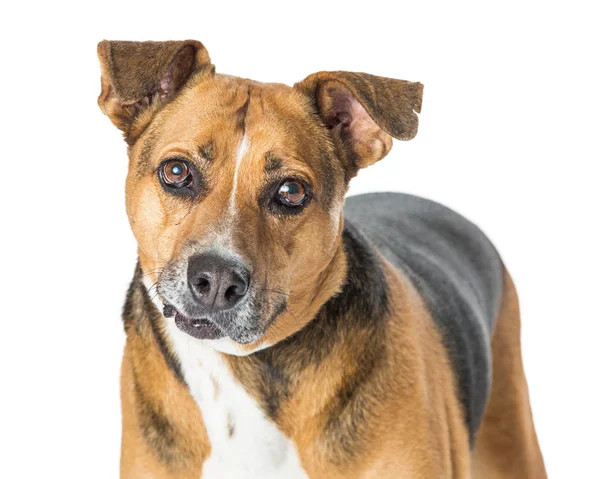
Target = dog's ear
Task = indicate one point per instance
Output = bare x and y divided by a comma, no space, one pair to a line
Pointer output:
140,77
364,112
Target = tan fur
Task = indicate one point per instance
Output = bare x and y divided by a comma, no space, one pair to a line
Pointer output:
507,445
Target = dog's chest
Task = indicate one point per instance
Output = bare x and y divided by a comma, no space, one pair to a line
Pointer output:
244,443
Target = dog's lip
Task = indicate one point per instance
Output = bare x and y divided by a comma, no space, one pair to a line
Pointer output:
199,328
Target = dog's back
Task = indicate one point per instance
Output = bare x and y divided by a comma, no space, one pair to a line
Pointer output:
455,268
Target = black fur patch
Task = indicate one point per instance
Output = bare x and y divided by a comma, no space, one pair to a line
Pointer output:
365,293
230,426
139,312
240,114
207,151
274,385
272,163
147,149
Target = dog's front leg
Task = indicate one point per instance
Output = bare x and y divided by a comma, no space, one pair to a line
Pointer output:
155,442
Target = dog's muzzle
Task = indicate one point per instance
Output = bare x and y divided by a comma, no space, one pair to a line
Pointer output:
216,285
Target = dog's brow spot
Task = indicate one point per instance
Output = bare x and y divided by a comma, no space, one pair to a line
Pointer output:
207,151
272,163
145,155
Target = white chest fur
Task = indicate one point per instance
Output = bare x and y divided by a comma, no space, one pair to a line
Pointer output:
244,443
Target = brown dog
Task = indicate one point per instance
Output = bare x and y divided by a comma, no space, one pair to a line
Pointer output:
271,335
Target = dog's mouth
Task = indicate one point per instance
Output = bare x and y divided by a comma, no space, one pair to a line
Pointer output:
199,328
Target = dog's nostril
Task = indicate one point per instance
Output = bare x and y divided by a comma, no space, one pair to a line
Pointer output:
232,293
202,285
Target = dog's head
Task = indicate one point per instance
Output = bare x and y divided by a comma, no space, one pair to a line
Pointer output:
235,188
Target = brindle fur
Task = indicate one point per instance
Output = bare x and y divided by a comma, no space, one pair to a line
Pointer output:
359,371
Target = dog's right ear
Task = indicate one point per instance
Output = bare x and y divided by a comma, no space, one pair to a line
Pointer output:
140,77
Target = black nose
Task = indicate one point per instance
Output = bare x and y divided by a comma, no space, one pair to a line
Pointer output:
218,283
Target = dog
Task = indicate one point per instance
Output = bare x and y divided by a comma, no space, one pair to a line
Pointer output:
275,330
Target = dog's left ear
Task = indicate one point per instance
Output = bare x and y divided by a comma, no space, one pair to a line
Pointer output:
364,112
140,77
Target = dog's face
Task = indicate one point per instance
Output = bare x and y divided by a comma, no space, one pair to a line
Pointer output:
235,188
234,204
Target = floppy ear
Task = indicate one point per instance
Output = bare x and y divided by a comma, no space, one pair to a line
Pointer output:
364,112
140,77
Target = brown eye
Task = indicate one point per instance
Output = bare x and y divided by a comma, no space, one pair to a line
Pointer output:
292,193
176,173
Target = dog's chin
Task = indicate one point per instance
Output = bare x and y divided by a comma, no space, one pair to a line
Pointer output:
209,330
199,328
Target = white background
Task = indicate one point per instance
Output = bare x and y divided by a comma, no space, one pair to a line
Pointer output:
508,137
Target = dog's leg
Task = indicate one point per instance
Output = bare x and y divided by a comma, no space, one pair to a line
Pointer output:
132,444
163,434
507,445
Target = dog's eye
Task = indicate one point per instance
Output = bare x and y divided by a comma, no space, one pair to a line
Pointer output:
175,173
292,193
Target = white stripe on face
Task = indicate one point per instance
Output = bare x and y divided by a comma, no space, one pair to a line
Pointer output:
241,153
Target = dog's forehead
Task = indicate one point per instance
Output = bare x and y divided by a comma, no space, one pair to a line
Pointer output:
211,117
